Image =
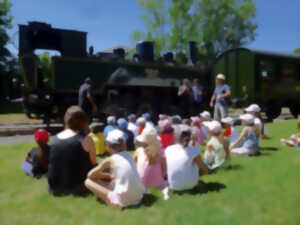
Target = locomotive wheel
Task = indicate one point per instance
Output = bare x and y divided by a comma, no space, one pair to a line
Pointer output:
295,110
272,112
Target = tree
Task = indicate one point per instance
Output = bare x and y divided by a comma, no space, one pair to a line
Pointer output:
296,51
154,16
216,25
5,23
45,67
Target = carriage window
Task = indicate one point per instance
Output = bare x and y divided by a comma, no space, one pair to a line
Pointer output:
267,70
288,71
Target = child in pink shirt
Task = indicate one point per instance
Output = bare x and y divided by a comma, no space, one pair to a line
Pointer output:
149,160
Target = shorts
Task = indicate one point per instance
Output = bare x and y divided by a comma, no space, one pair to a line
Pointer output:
118,199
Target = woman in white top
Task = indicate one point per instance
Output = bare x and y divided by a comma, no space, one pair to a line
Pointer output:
183,163
116,180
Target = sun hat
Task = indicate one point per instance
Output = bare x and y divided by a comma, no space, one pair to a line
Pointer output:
213,126
115,137
196,119
228,120
165,124
148,136
162,116
41,136
122,123
111,120
248,118
205,115
141,120
220,76
253,108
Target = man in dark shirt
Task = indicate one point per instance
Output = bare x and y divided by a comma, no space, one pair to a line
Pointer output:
185,94
197,97
86,100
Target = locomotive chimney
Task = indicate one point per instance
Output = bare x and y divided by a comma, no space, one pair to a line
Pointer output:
145,51
192,52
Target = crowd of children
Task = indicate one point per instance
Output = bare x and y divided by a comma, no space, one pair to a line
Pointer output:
169,156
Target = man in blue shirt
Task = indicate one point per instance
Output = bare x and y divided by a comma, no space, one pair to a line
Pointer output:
197,97
219,99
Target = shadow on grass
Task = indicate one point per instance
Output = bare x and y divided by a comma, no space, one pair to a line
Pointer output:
148,200
234,167
203,188
269,149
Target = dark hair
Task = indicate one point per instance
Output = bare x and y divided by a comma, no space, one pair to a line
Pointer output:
76,119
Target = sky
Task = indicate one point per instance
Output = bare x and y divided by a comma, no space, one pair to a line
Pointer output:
111,22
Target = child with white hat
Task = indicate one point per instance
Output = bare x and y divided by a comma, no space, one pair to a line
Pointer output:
217,152
148,157
231,133
248,139
205,116
116,179
255,110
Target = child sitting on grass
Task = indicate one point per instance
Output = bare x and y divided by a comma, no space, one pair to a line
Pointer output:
184,164
36,162
98,137
150,162
197,133
230,134
217,153
166,133
294,140
248,139
116,180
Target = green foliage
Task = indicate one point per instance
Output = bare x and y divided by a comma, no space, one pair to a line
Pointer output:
296,51
257,190
45,66
216,25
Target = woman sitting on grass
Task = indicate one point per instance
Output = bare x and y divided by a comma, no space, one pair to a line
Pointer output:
217,152
183,164
151,165
72,155
249,137
116,180
36,162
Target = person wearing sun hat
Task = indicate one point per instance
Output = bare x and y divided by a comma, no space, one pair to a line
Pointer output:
231,133
166,133
248,139
149,159
36,162
115,180
217,151
111,125
255,110
197,132
220,98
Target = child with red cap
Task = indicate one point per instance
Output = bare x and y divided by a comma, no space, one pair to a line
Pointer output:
36,162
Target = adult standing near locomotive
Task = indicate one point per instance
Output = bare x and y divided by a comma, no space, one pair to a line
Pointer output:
197,97
219,99
86,100
185,94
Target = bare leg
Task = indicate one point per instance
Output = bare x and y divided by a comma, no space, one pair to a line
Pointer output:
98,190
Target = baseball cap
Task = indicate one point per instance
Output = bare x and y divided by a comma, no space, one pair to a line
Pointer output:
141,120
147,116
122,123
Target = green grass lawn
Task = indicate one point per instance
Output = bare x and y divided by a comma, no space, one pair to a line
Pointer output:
258,190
